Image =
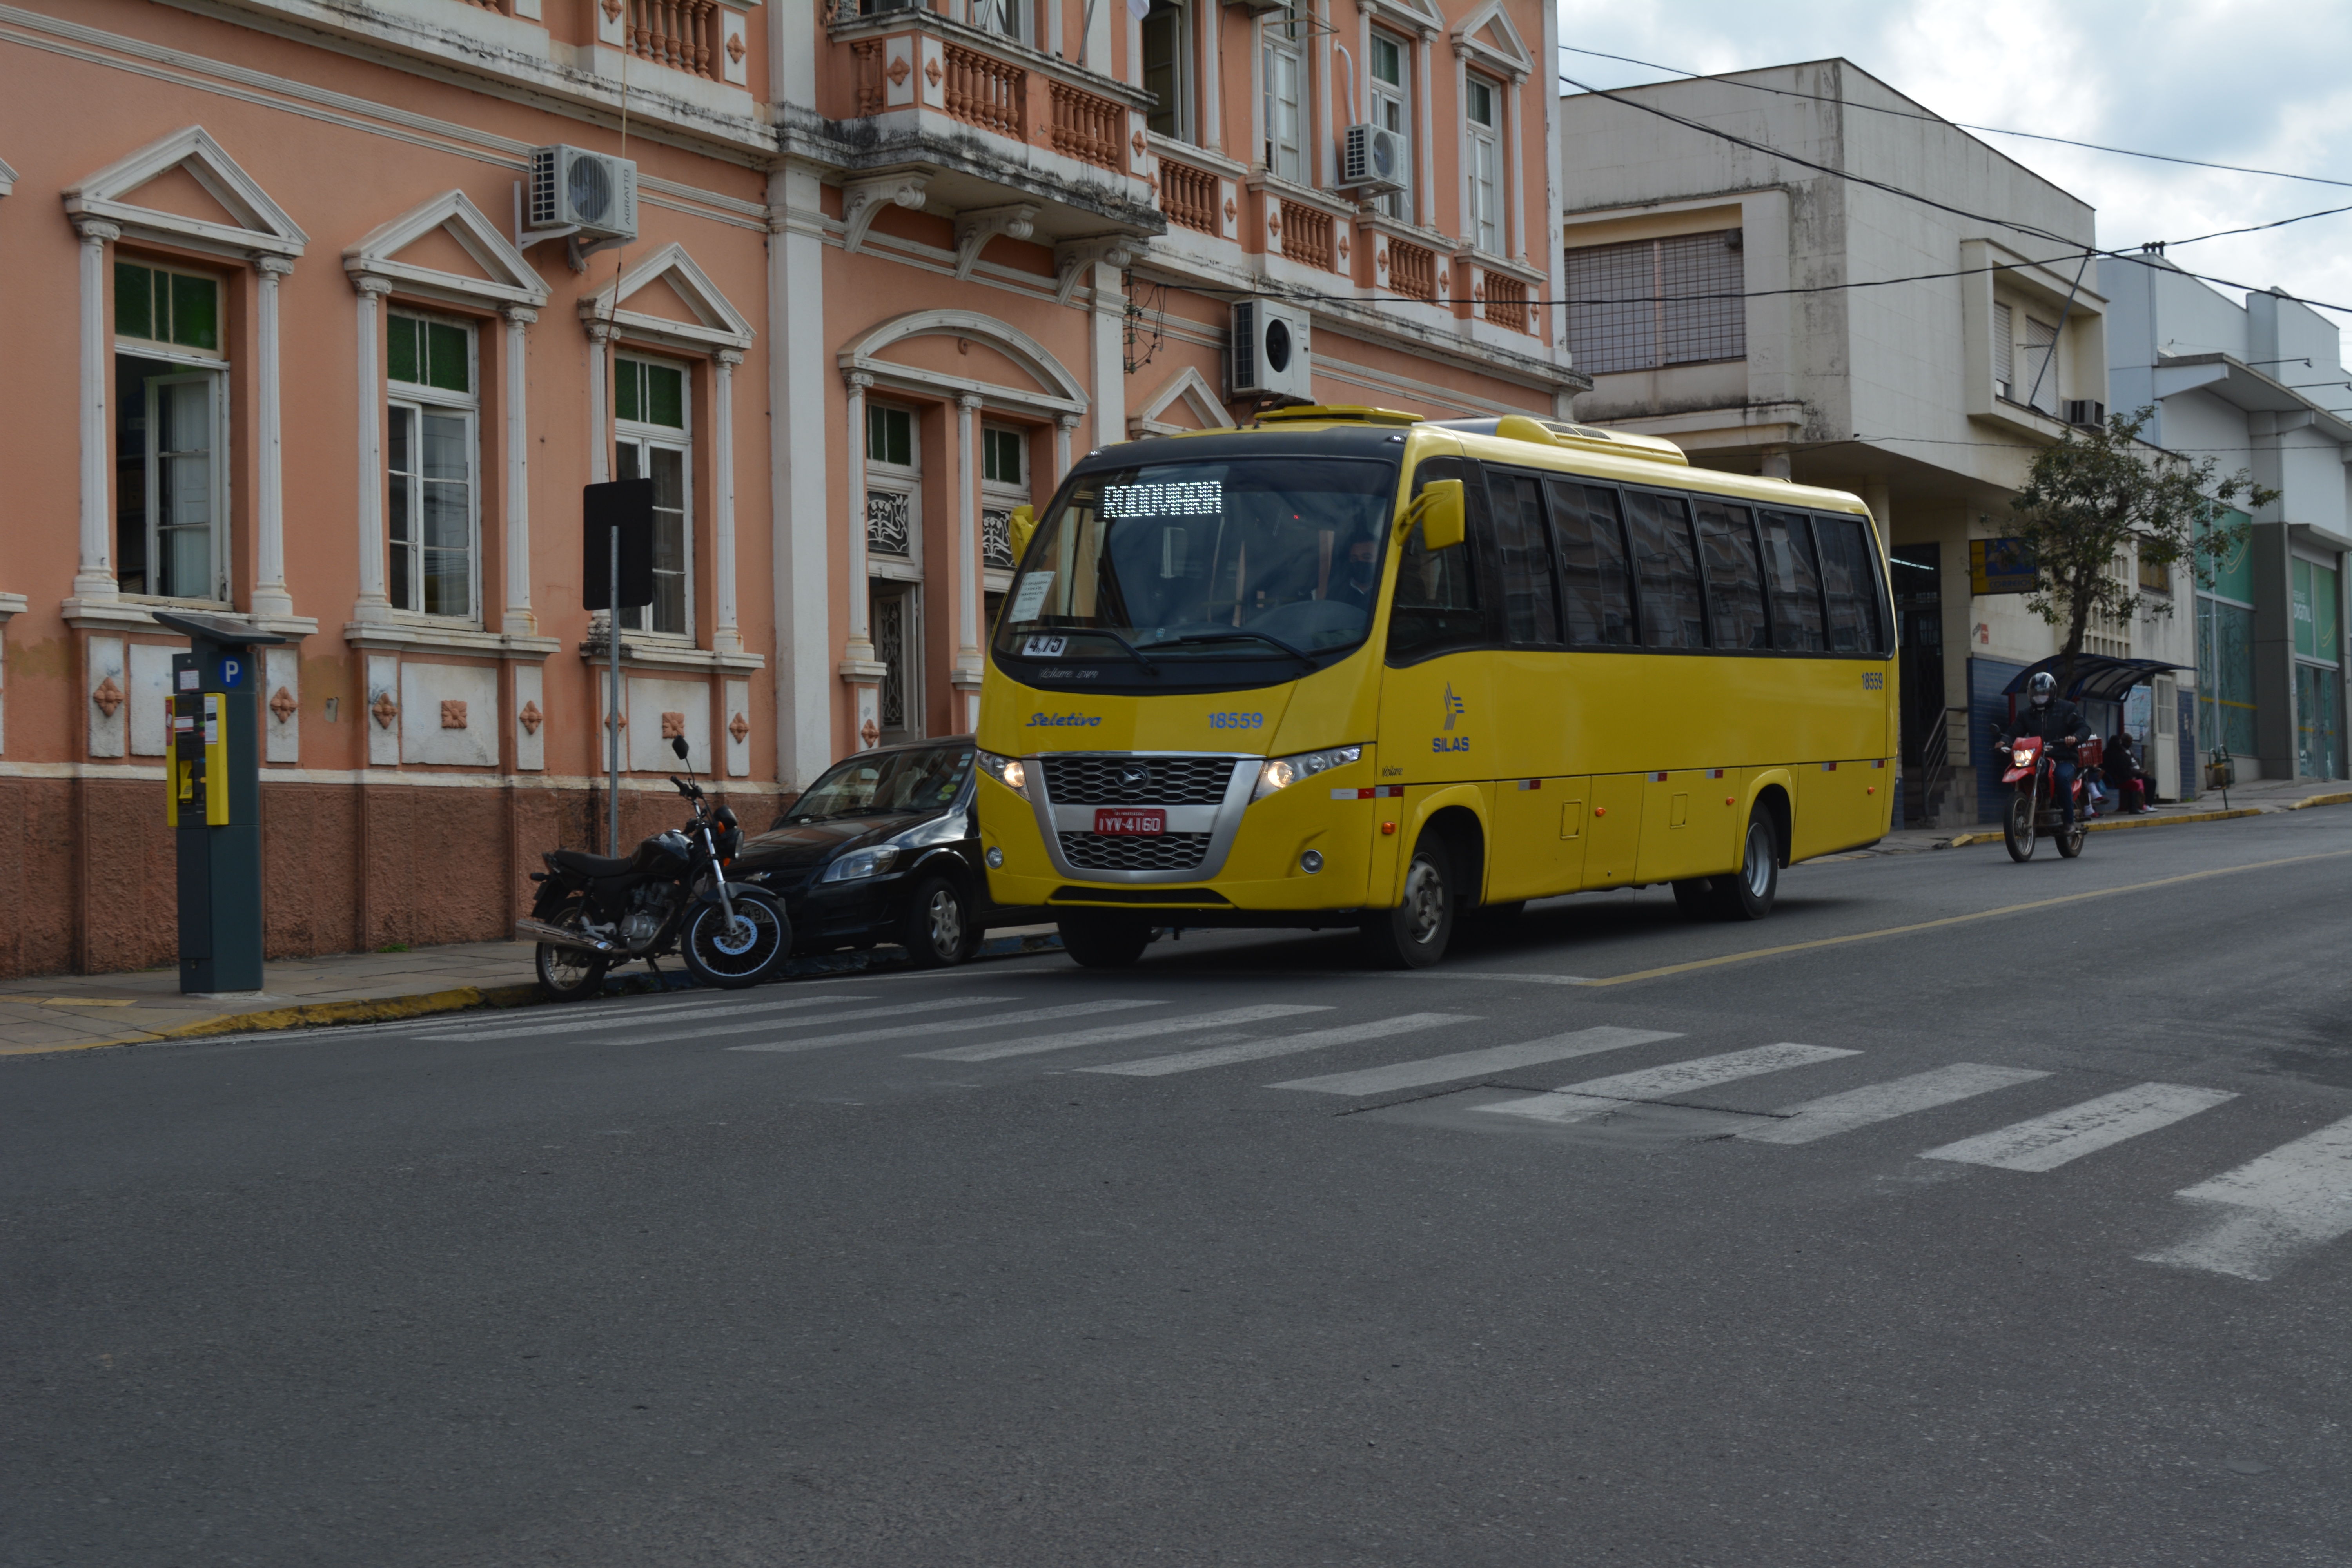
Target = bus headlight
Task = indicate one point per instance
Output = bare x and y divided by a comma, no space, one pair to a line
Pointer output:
1006,771
1281,772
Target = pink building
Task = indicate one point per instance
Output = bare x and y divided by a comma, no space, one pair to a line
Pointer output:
287,344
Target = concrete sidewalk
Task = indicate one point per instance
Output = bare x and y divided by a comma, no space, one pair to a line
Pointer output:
66,1012
2254,799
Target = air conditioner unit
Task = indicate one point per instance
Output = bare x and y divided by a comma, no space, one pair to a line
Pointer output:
1269,356
1261,5
573,188
2083,411
1373,158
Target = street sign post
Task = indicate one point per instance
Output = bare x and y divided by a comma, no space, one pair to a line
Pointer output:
617,572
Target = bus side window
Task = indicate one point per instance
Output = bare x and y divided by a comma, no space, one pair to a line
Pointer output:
1854,622
1523,556
1794,581
1435,606
1665,564
1597,593
1726,542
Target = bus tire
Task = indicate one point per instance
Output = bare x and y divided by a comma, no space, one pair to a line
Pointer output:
1413,935
1747,893
1102,941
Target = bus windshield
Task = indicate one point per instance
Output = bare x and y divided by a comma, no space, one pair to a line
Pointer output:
1239,558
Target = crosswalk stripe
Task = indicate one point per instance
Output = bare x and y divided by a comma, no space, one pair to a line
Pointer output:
1477,1064
645,1014
1835,1113
1108,1033
894,1010
941,1025
2264,1212
2046,1142
1576,1102
1281,1045
1525,977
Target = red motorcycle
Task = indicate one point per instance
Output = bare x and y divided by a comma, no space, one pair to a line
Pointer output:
2033,811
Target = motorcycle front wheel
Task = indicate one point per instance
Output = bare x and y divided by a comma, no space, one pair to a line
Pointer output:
745,952
2017,830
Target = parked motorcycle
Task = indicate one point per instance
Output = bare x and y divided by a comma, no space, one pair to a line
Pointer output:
593,911
2034,810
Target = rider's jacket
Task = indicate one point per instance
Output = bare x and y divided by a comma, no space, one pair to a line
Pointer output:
2061,720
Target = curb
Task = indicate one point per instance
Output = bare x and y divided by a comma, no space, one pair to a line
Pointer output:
1959,839
2344,798
464,998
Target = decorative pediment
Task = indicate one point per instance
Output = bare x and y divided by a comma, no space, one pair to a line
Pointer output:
1056,391
716,323
504,279
257,223
1410,15
1190,390
1486,35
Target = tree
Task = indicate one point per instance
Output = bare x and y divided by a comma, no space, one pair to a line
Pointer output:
2100,495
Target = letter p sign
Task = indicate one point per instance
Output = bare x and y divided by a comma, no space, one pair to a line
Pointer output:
231,670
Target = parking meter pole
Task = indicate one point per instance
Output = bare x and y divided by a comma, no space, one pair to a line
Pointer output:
613,719
214,801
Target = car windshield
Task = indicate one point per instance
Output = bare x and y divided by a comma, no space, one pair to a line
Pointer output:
886,785
1205,560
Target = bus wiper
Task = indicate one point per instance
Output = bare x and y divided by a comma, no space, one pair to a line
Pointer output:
1132,651
1299,654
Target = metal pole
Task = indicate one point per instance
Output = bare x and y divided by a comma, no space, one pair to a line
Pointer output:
613,702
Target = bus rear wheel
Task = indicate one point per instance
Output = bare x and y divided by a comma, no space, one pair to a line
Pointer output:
1413,935
1747,893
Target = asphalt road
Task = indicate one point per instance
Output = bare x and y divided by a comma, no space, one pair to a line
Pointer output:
1867,1252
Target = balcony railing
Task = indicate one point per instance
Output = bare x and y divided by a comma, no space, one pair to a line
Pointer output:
987,93
1413,270
1087,127
680,34
1306,235
1188,196
1506,301
870,85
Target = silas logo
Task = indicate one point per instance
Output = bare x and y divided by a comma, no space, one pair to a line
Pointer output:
1455,708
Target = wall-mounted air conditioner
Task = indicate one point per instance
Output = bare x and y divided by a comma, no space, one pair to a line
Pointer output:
592,192
1269,355
2084,412
1373,159
1261,5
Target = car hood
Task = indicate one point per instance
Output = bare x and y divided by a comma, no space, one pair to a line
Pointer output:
812,843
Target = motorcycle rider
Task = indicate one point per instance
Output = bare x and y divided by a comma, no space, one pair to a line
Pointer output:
2054,718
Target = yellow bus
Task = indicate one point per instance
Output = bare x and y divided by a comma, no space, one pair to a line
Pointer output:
1351,668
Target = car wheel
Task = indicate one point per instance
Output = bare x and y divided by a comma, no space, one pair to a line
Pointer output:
936,923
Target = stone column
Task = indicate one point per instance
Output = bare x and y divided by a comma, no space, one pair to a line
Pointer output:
600,422
966,676
94,576
374,605
1515,242
861,631
725,636
520,619
1063,424
270,595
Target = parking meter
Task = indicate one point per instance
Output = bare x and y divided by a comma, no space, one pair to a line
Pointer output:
213,801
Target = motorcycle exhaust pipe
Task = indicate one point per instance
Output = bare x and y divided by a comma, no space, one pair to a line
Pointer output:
556,936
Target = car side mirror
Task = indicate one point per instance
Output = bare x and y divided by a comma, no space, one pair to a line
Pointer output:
678,745
1019,527
1440,511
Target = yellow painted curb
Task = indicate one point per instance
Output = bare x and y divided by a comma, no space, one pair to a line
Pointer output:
2343,799
365,1010
2103,827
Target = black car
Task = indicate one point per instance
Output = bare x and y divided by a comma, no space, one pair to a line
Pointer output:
884,847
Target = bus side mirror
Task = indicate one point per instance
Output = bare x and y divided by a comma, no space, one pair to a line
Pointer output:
1439,508
1019,527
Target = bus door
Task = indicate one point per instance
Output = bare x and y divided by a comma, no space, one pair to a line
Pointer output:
1612,844
1438,720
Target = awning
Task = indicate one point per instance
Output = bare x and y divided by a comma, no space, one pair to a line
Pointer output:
2097,675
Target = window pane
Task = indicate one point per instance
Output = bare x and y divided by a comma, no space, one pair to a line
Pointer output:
1482,103
666,397
890,436
134,301
1591,545
184,488
1726,542
628,377
131,467
670,538
1163,44
1666,565
1524,554
625,461
1796,584
1388,60
1701,316
1436,602
195,312
449,363
447,589
445,519
445,455
401,357
1852,591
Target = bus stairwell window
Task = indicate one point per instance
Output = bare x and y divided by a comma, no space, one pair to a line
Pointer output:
1597,591
1793,580
1523,551
1436,601
1849,587
1727,541
1665,564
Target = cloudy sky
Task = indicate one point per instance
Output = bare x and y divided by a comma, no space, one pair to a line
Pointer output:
2223,81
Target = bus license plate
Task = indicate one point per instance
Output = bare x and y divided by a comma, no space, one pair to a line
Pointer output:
1130,822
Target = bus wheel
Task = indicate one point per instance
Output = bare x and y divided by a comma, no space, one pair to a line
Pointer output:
1694,897
1101,941
1413,935
1747,893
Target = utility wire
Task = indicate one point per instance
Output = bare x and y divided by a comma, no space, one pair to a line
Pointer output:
1939,119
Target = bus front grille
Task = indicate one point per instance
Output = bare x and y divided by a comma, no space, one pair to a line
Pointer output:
1122,852
1110,781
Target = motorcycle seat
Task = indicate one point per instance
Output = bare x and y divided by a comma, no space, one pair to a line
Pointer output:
580,863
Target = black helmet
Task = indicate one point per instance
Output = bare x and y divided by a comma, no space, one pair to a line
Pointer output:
2041,689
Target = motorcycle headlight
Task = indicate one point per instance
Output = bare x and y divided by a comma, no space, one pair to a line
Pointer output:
861,863
1281,772
1006,771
